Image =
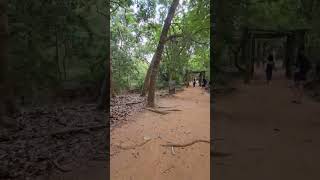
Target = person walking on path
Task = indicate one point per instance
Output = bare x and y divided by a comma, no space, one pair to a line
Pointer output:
270,66
204,82
194,82
300,76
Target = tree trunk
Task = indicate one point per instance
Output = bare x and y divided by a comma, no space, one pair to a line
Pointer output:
4,38
252,58
157,55
147,81
289,56
103,95
236,60
200,79
65,58
57,55
104,99
112,92
7,105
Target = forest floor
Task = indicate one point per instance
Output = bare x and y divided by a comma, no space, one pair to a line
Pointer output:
267,136
53,141
136,146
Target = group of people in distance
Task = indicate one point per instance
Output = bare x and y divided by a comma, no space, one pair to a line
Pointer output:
300,70
203,84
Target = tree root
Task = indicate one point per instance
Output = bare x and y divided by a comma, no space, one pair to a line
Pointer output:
185,145
59,167
133,146
132,103
157,111
165,171
76,130
58,133
173,110
167,106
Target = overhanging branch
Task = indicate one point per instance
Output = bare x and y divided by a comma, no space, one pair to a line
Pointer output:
173,37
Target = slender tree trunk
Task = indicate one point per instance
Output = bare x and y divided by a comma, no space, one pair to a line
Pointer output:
236,60
147,81
128,82
57,55
157,55
103,95
104,99
65,58
7,105
112,92
4,36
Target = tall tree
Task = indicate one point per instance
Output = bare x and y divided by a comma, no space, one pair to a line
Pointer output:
158,54
104,95
3,54
6,103
147,81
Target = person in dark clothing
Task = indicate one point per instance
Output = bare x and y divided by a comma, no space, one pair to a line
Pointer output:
194,82
204,82
302,68
269,68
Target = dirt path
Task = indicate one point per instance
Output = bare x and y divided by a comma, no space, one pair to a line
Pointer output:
269,137
151,160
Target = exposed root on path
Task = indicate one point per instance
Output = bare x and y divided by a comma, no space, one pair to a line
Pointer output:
133,146
173,110
131,103
157,111
167,170
59,167
77,130
185,145
167,106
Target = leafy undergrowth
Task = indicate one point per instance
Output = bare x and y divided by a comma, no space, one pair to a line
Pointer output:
61,137
124,106
53,139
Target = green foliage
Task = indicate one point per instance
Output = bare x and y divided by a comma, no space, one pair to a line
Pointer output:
190,52
136,40
55,41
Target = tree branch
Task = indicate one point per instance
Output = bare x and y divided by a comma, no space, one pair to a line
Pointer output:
173,37
119,4
202,43
115,9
